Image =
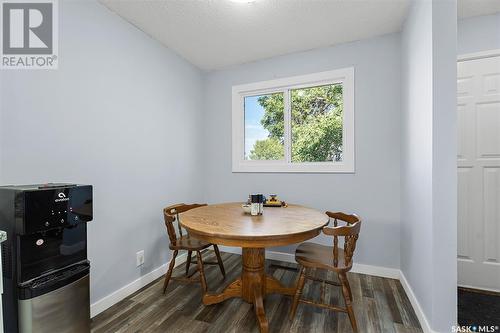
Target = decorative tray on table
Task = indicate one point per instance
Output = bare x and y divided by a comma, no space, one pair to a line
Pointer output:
274,202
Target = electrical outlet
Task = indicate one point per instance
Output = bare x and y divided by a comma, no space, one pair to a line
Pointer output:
140,258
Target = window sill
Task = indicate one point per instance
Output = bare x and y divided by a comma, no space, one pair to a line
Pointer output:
277,167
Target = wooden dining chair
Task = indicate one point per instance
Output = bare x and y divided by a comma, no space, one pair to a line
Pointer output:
182,241
332,258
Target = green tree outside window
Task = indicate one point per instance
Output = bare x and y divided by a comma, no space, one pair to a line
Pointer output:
316,125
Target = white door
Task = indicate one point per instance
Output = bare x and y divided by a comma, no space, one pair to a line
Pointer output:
479,173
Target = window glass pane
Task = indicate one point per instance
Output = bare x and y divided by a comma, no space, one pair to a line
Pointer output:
317,123
264,127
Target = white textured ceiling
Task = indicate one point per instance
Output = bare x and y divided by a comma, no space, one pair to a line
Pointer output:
213,34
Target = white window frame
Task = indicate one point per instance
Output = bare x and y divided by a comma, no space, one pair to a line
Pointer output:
344,76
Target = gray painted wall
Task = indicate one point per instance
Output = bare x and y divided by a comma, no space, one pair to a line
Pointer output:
416,153
373,191
479,33
122,113
1,126
444,159
428,165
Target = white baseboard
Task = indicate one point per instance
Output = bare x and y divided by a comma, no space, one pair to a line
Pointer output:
386,272
230,249
415,304
392,273
127,290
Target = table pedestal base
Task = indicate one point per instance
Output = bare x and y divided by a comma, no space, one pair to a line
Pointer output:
252,286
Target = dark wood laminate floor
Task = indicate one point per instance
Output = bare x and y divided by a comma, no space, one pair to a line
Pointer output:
380,304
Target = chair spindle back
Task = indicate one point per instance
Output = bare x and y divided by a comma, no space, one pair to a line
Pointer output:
350,233
171,214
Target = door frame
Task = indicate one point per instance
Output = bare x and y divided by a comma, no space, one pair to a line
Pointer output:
462,58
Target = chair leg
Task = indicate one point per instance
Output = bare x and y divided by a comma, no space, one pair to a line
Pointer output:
298,292
188,261
202,272
219,260
346,291
169,271
348,287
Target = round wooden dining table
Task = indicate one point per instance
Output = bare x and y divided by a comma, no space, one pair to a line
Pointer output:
227,224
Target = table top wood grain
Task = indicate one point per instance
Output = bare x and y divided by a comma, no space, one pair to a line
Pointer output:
227,224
